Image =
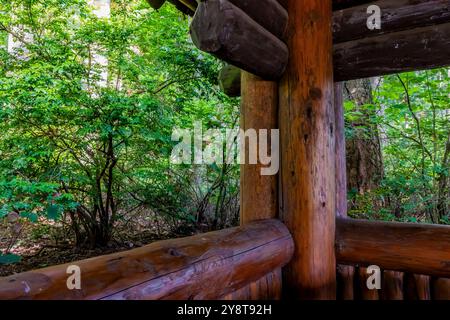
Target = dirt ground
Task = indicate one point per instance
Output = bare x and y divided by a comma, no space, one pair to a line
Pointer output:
47,243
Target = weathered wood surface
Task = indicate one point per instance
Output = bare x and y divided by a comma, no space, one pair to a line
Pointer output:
345,275
207,266
270,14
307,182
440,289
362,291
341,161
416,49
396,15
392,287
259,110
417,287
345,279
416,248
225,31
230,80
266,288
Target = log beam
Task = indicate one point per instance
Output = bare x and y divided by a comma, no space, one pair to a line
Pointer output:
417,49
225,31
396,15
174,269
267,13
307,183
415,248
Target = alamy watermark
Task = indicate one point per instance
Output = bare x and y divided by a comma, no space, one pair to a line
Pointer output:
374,20
227,146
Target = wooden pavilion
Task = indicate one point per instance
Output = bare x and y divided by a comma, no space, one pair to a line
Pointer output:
295,241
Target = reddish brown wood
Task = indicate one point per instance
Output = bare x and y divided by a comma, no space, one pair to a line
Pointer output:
415,49
345,278
307,189
266,288
392,287
341,171
207,266
363,292
259,107
345,274
225,31
417,287
396,15
417,248
440,288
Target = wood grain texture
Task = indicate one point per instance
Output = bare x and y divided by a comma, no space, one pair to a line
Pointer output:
267,13
259,110
225,31
417,287
421,249
207,266
307,187
415,49
345,274
396,15
362,291
266,288
440,288
392,287
345,279
341,161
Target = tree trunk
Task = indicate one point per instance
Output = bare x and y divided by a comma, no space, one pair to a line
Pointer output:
364,159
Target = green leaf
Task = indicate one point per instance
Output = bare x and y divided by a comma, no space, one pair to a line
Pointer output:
9,258
33,217
53,212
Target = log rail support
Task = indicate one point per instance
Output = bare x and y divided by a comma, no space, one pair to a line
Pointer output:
227,260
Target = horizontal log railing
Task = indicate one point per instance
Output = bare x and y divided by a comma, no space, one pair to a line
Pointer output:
415,248
206,266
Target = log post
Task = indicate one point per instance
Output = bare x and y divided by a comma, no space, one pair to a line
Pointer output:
417,287
345,274
440,288
392,288
259,108
307,188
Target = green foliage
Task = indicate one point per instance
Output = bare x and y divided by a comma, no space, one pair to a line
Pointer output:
87,108
9,258
412,115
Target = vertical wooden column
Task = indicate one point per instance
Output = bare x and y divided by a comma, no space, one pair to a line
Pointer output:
259,110
307,182
345,274
259,194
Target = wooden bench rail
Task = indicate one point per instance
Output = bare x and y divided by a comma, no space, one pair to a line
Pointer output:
206,266
415,248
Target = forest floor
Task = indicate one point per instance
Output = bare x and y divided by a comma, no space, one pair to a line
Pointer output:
46,243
